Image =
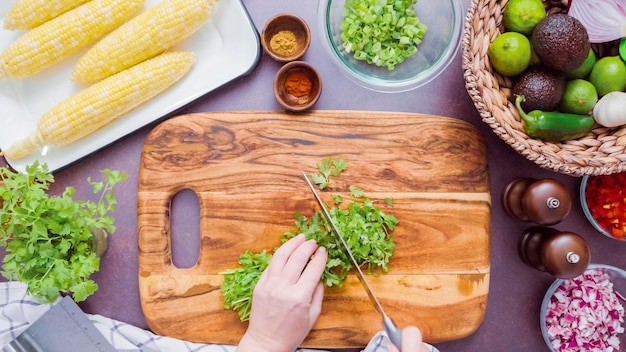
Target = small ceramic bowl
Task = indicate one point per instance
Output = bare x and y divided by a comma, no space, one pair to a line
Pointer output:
616,276
616,181
289,32
297,86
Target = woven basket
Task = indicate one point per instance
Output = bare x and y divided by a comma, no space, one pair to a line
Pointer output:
601,152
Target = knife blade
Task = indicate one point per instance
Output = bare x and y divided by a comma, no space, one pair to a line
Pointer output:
390,327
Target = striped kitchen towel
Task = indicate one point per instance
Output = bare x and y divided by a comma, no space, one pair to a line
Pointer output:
18,310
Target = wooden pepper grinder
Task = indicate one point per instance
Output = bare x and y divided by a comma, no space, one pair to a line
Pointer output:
545,201
564,255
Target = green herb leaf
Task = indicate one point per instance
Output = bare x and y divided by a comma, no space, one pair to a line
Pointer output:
320,180
339,166
328,167
356,192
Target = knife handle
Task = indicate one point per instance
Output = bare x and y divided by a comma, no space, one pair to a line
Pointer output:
394,333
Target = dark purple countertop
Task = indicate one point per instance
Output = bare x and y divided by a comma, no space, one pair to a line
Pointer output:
511,321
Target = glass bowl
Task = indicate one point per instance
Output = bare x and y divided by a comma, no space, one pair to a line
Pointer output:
439,46
588,212
617,277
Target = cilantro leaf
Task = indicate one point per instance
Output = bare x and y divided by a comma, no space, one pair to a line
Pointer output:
356,192
319,180
339,165
328,167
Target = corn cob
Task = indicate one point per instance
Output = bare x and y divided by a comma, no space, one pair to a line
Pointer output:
141,38
28,14
97,105
63,36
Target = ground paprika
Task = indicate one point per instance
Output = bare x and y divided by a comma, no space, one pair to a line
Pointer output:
298,84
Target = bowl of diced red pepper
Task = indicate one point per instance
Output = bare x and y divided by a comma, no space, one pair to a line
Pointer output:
603,200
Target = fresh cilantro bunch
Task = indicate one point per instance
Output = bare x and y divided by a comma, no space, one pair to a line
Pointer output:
49,239
239,283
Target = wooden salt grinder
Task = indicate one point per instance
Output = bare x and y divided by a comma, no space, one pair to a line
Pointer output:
564,255
545,201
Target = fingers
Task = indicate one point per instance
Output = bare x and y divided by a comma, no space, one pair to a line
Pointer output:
263,276
298,261
315,307
292,263
412,339
311,275
282,254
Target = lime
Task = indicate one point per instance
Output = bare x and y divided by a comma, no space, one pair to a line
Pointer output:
579,97
523,15
583,70
510,53
608,75
534,60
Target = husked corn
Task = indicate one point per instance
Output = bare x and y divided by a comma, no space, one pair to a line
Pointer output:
28,14
141,38
94,107
63,36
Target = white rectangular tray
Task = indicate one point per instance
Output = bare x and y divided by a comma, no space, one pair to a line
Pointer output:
226,47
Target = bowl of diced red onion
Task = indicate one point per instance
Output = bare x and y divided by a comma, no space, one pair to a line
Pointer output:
586,313
602,200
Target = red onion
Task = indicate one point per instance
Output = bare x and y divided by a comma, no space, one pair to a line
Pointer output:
584,314
605,20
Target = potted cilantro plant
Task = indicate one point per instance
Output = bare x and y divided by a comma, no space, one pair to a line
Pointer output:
53,243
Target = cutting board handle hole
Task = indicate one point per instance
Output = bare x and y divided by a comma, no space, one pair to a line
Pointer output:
185,229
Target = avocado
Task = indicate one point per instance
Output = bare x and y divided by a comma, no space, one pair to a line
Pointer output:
541,86
560,42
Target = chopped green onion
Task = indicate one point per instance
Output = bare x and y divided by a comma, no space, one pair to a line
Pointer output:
381,32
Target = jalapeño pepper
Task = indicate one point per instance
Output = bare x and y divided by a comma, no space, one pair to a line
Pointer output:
553,126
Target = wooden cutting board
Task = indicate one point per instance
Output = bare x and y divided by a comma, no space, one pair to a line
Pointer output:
245,168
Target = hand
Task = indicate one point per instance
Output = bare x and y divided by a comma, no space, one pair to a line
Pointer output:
287,299
411,341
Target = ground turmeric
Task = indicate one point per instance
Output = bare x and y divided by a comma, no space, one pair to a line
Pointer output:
283,42
298,84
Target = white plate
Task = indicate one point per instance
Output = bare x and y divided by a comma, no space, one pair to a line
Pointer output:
226,47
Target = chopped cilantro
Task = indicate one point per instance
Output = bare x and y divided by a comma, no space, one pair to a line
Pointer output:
239,283
365,228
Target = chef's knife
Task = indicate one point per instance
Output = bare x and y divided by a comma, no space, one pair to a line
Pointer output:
392,330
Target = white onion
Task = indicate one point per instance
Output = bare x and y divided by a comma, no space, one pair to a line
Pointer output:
605,20
584,314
